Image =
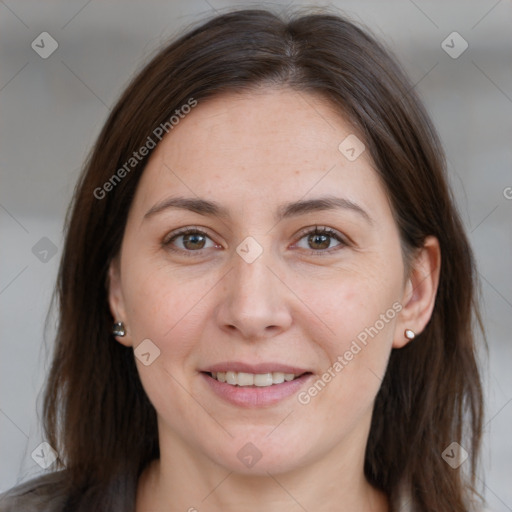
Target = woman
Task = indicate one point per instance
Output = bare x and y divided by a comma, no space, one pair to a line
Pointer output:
266,292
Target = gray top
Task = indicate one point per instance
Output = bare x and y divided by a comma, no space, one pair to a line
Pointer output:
43,493
46,493
50,493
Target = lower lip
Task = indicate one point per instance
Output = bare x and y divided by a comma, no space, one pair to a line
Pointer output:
254,396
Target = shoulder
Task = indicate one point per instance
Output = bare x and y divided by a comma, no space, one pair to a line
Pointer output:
43,493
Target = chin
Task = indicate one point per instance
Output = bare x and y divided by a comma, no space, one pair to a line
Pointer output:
275,464
260,456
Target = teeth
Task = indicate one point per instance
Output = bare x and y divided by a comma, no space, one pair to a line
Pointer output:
263,379
251,379
277,377
231,378
246,379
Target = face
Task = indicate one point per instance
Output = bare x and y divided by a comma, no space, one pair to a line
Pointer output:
256,252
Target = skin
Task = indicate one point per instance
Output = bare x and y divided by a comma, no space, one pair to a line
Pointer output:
301,302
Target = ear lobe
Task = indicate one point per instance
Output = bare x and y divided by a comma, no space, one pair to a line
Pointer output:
115,299
420,292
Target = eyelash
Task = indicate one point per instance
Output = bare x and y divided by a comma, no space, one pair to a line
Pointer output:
323,230
167,242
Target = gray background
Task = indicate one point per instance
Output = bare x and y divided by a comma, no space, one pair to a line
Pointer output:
52,110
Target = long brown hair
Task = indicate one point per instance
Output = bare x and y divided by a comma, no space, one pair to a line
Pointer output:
96,413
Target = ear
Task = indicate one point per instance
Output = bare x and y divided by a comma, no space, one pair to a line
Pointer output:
116,300
420,291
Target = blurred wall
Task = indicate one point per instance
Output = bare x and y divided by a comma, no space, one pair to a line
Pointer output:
53,106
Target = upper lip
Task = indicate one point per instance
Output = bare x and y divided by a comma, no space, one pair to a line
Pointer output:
234,366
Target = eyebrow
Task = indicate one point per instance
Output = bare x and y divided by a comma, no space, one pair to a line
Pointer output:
285,211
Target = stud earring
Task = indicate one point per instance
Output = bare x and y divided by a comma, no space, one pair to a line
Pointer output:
118,329
409,334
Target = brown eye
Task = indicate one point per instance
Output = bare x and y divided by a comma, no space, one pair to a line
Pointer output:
319,241
188,241
194,241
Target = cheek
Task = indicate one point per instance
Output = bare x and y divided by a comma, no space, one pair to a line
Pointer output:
169,312
353,301
165,306
360,309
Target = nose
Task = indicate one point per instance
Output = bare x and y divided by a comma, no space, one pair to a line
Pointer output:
254,303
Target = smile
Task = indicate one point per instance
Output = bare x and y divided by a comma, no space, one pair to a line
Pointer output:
253,379
254,385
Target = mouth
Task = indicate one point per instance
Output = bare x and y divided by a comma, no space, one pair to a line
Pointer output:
260,380
264,385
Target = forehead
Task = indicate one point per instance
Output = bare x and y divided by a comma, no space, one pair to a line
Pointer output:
258,145
283,126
